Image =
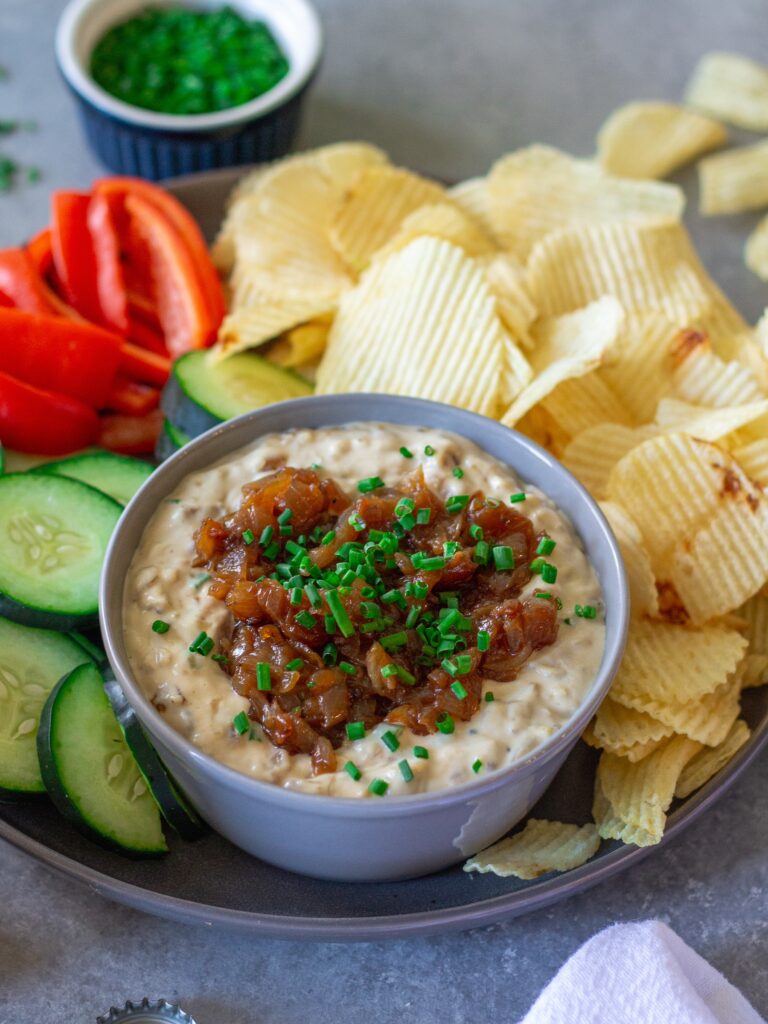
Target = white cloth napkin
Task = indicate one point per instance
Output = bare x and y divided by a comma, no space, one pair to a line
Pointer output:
639,974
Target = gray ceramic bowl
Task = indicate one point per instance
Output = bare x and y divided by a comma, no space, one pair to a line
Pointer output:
351,839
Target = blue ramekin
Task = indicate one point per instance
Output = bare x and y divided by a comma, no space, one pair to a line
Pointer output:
130,140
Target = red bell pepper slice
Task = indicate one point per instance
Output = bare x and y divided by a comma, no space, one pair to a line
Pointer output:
187,229
130,435
43,422
141,334
133,399
21,283
77,359
110,284
181,304
147,367
40,251
140,307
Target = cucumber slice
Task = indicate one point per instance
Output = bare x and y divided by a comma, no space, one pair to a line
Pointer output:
89,771
171,439
53,535
200,394
119,476
32,661
95,653
174,807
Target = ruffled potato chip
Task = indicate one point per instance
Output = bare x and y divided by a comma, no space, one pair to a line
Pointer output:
692,501
709,761
755,614
673,665
374,209
755,671
254,325
440,220
593,453
753,459
732,87
706,719
565,347
422,322
632,800
704,422
617,726
642,583
734,181
538,190
506,277
648,139
756,250
301,345
542,846
701,377
471,196
583,402
639,369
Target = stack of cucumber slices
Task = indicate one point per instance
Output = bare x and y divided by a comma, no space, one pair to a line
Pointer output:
63,731
201,394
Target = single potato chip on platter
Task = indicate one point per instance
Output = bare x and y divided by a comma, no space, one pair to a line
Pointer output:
616,726
710,760
706,719
255,325
638,369
644,598
701,377
592,454
472,197
538,190
732,87
301,345
753,459
704,422
440,220
734,181
542,846
506,278
647,139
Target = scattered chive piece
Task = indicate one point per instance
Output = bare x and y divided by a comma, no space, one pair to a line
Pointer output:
482,552
295,665
423,516
355,730
477,765
347,667
266,535
503,557
459,690
432,564
483,640
200,579
390,741
543,595
356,522
378,787
476,531
240,723
306,619
206,646
421,752
329,624
549,572
586,611
339,613
158,626
370,483
445,724
489,697
296,595
394,640
328,537
330,654
248,536
458,473
412,617
353,771
537,564
286,530
429,450
405,770
515,498
406,453
203,635
271,551
546,546
464,664
314,598
456,503
285,516
567,622
263,676
315,466
448,666
220,657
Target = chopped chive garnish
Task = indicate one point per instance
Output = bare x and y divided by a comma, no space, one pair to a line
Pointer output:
489,697
456,503
200,638
477,765
432,564
546,546
423,516
515,498
405,770
266,535
220,657
407,522
549,572
537,565
240,723
586,611
285,516
286,530
463,663
503,557
347,667
406,453
306,619
567,622
458,473
482,552
339,613
263,676
158,626
483,640
206,646
421,752
296,595
355,730
413,617
543,595
294,665
200,579
356,522
404,506
316,466
448,666
394,640
271,551
459,690
330,654
248,536
445,724
353,771
429,450
314,598
329,624
371,483
390,741
378,787
329,537
476,531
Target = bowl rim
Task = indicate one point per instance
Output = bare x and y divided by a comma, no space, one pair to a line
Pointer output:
367,406
75,16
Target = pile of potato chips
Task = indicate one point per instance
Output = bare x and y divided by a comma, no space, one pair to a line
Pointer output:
563,296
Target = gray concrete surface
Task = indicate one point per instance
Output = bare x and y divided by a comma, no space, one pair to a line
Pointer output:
446,86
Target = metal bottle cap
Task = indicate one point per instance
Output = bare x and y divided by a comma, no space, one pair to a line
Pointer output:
145,1012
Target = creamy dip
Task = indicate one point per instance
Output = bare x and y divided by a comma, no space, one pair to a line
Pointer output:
196,698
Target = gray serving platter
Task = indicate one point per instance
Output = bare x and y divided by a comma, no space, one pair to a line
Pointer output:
212,882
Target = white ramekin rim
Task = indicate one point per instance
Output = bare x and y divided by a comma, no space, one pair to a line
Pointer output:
303,49
216,773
